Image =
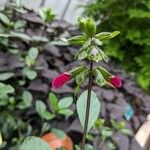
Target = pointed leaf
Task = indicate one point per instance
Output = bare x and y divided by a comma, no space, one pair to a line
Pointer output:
94,108
53,101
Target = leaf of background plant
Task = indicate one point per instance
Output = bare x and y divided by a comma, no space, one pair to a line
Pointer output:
42,111
33,53
94,108
111,146
66,112
106,132
26,100
65,102
39,39
20,35
31,74
53,101
59,133
4,19
126,131
88,147
35,143
19,24
6,76
5,89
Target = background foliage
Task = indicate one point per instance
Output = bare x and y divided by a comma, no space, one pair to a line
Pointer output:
132,47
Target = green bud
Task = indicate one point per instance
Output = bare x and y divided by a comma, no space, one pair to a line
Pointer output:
81,23
90,27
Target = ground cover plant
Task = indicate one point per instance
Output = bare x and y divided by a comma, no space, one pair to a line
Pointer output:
132,18
31,107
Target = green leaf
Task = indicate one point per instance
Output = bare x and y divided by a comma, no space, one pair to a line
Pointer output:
5,89
33,53
4,19
99,78
31,74
26,100
106,132
88,147
77,40
35,143
6,76
75,71
81,76
106,35
66,112
111,146
94,108
59,133
19,24
77,147
22,36
126,131
42,111
65,102
90,27
53,101
39,39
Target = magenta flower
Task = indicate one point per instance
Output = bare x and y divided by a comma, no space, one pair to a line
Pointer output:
61,79
115,81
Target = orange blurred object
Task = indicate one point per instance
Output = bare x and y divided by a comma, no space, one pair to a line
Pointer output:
56,143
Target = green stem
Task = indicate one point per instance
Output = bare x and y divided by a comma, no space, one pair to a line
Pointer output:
87,106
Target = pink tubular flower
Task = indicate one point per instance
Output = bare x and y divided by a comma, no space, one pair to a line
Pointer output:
61,80
115,81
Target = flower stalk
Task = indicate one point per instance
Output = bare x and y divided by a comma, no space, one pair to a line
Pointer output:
87,105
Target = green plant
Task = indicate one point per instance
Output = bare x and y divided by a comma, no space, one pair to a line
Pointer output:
88,105
60,107
46,14
132,18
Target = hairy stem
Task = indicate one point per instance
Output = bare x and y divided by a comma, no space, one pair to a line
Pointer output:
87,106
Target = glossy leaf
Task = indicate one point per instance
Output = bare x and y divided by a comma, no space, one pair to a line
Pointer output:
94,108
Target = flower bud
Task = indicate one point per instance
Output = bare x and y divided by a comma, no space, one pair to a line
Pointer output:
61,80
90,27
115,81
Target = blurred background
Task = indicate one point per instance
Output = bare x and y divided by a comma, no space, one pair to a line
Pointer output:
131,17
